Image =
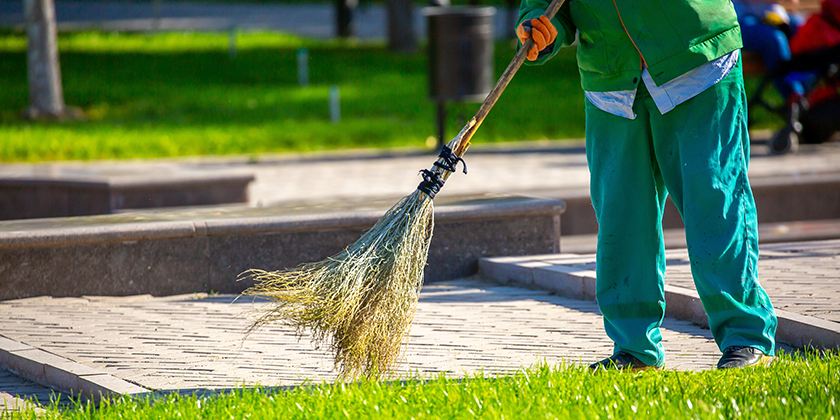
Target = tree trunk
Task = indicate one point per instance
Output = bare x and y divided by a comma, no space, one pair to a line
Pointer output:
401,37
512,17
344,17
46,97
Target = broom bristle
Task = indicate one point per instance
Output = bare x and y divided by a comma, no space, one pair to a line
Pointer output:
360,302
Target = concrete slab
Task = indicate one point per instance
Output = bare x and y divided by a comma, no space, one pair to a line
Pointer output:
547,169
203,250
28,191
779,199
18,394
768,233
59,373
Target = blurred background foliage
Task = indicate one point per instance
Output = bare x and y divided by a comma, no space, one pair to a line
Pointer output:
181,94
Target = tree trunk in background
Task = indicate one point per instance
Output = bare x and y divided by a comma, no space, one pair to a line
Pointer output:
401,37
344,17
512,16
46,97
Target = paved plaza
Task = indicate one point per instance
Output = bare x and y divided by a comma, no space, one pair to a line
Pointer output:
546,169
197,342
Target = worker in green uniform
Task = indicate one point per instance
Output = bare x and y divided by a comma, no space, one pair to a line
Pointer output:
665,114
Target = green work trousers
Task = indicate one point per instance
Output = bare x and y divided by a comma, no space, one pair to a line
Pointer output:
698,153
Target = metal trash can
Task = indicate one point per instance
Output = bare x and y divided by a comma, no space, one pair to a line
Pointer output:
461,40
460,52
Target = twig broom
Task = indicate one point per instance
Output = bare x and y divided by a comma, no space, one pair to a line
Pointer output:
361,302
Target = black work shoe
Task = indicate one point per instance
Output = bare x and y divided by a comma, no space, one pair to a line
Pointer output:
620,361
740,357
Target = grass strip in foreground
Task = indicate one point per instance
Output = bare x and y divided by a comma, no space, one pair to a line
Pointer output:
794,387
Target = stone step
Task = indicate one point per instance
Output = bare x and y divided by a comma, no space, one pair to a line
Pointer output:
205,250
65,190
573,276
768,233
778,199
62,374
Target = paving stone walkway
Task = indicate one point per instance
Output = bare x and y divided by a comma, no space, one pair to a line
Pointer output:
196,341
799,277
18,394
193,342
549,169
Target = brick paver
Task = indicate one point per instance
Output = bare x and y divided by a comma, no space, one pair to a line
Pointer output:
197,341
17,393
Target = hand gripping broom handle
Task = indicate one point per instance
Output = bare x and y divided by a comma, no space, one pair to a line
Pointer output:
461,142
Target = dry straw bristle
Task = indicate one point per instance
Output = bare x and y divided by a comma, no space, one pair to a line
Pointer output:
360,302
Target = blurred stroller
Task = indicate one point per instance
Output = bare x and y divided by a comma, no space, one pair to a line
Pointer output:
811,77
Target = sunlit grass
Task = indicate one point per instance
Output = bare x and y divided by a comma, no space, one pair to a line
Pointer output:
793,388
181,94
165,42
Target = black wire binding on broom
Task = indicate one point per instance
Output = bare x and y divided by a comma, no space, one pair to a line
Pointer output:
450,160
432,182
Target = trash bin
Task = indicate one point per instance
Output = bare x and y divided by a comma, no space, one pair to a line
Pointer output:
460,56
460,52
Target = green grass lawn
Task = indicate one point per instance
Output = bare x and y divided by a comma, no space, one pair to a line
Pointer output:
166,95
793,388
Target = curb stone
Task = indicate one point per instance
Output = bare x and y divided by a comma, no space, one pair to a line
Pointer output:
177,252
558,273
62,374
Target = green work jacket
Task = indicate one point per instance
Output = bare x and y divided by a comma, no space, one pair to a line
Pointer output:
615,37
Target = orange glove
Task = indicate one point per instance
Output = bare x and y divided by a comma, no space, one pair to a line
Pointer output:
543,32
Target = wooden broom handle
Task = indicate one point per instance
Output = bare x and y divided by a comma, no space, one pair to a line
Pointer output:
460,143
